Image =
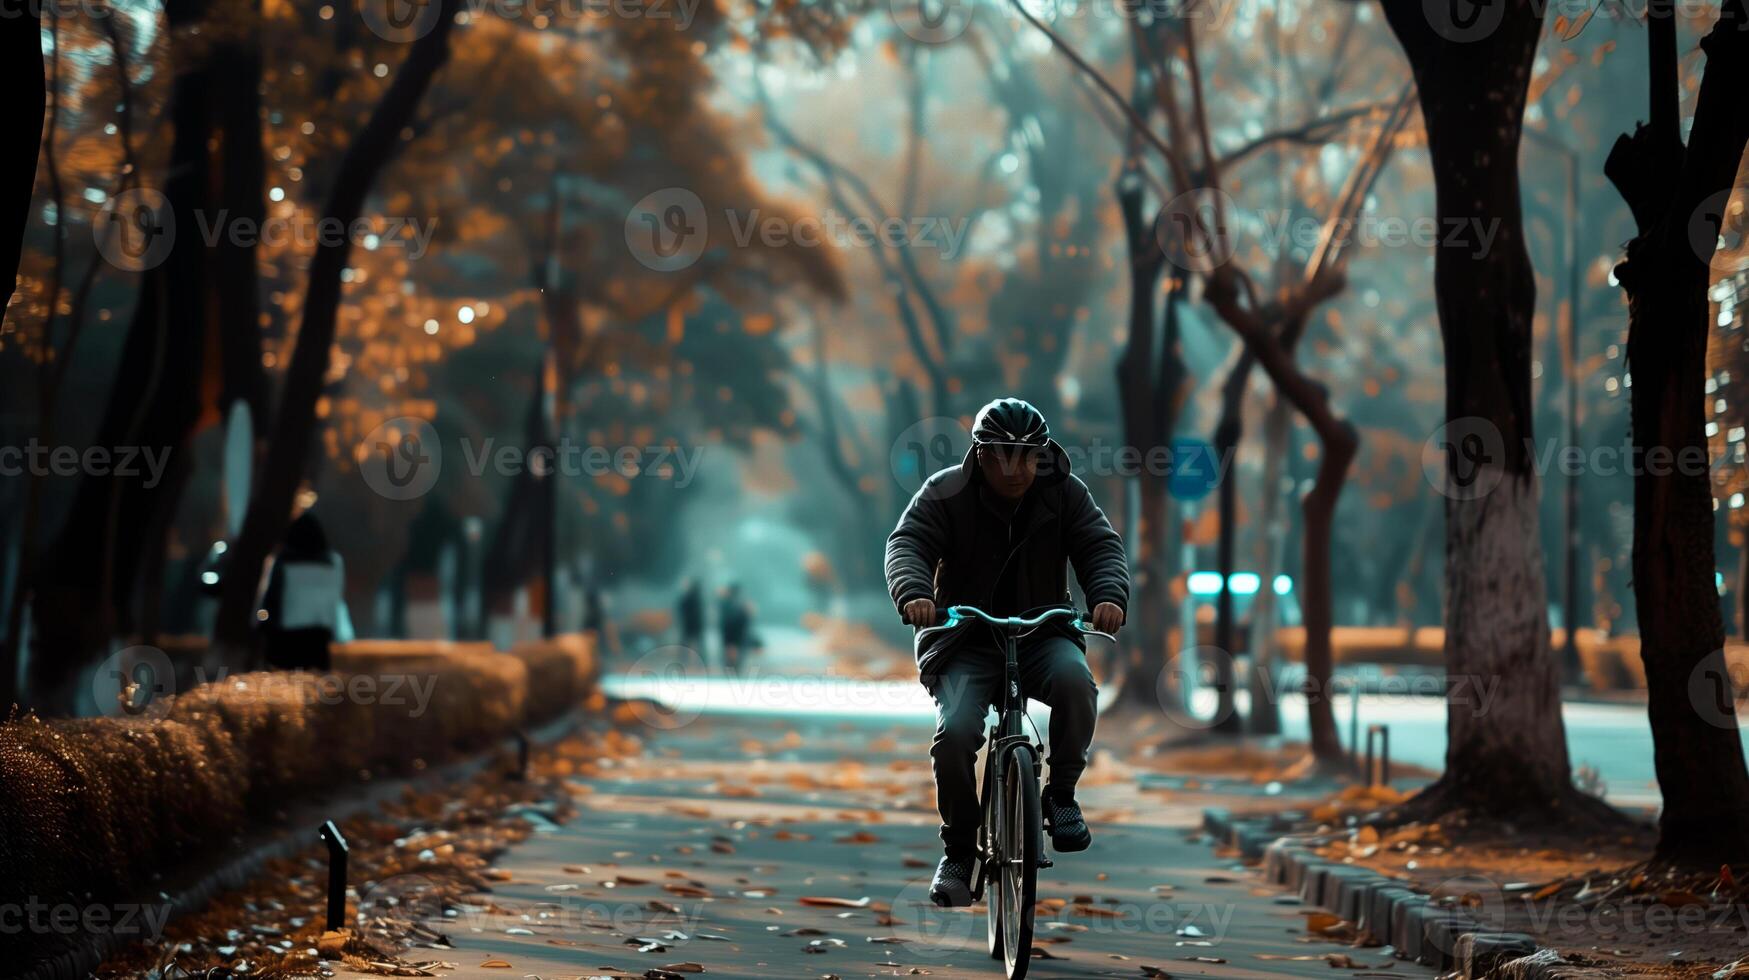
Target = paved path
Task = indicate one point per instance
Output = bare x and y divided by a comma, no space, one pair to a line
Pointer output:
755,847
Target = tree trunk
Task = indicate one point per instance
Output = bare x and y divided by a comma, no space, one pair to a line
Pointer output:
84,590
1147,386
21,55
1340,444
21,59
1697,749
1743,588
1229,431
1506,745
1265,717
270,508
242,195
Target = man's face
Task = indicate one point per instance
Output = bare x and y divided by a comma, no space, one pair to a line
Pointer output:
1009,470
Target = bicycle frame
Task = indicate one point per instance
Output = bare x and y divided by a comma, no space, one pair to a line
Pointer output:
999,742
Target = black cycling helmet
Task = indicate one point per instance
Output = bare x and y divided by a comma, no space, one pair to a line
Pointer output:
1010,422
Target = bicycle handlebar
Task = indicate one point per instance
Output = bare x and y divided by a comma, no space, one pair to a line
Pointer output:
961,614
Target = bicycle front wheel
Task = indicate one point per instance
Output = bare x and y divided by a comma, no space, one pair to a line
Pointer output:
1021,830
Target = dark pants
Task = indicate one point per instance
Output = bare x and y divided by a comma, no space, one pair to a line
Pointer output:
1052,670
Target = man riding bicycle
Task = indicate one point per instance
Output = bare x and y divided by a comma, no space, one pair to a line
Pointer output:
996,532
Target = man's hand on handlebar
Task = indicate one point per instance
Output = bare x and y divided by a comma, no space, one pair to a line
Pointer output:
919,612
1107,617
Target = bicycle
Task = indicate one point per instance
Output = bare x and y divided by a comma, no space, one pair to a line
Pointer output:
1010,847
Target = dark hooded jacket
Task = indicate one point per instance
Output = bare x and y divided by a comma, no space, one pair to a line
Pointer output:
953,546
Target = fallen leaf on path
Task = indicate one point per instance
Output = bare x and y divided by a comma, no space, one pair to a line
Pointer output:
834,903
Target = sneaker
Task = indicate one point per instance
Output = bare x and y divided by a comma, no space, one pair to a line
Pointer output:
952,887
1063,818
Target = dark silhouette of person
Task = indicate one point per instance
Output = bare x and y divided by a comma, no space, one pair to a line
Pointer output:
735,622
598,619
689,614
304,608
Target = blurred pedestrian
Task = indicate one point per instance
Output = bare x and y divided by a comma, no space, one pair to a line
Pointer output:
598,621
735,622
689,614
304,608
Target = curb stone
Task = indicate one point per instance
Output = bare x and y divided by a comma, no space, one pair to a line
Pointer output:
1440,936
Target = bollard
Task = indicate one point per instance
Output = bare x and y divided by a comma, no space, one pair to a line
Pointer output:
337,852
521,772
1384,755
1354,726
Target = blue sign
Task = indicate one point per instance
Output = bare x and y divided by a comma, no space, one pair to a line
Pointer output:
1195,469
